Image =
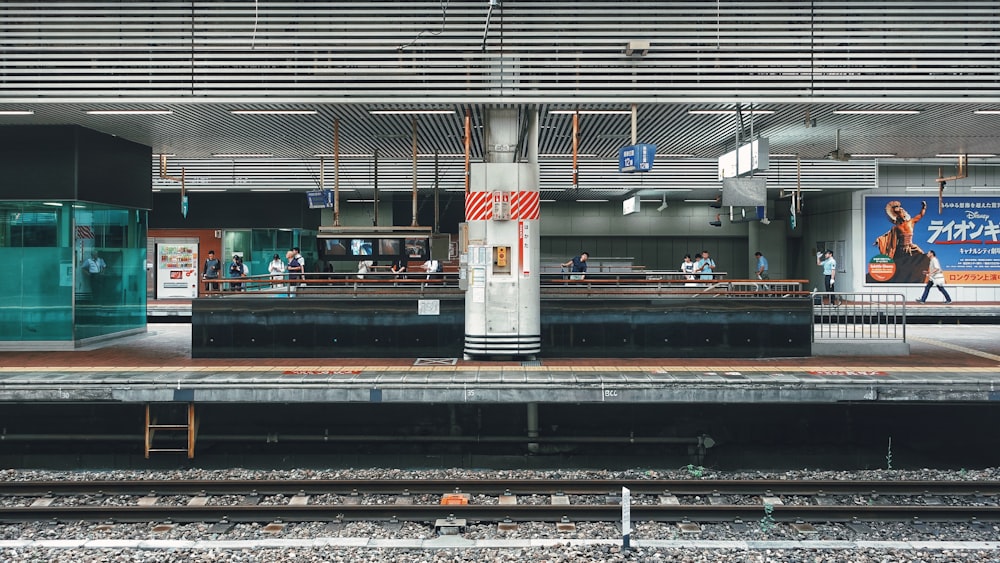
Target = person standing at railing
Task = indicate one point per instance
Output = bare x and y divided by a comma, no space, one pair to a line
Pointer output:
761,266
687,268
296,266
935,277
705,266
237,270
277,270
829,264
578,266
211,272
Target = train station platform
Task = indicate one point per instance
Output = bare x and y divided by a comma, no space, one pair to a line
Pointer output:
946,363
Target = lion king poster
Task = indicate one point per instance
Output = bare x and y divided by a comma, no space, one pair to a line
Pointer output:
900,230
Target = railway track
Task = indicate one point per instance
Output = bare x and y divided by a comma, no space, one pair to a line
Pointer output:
500,501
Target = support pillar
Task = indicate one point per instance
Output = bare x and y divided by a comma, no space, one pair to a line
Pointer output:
502,306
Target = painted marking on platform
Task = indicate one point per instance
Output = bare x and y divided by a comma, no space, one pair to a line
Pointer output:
957,348
321,372
848,373
435,361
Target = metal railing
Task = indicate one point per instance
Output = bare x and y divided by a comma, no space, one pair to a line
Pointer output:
645,284
859,316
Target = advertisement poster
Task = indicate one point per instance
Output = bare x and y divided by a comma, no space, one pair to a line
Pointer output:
900,230
176,271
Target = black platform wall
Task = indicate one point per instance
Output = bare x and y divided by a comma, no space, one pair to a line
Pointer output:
69,162
668,328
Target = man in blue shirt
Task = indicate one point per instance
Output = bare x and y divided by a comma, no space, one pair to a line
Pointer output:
705,266
579,266
829,264
761,266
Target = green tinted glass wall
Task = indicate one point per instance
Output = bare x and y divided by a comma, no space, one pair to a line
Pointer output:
110,252
73,271
36,290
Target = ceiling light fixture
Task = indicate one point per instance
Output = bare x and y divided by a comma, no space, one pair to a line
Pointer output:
984,189
205,190
591,112
17,112
361,201
563,155
637,47
130,112
273,112
728,111
782,155
970,155
411,111
987,111
920,189
700,200
164,154
872,154
270,189
592,200
677,155
331,155
52,203
241,155
876,111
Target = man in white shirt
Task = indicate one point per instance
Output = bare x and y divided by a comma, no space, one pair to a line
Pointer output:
432,266
95,264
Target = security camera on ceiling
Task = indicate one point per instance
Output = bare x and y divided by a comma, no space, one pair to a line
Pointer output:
663,205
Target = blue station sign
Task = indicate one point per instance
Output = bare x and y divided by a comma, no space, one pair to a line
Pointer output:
636,158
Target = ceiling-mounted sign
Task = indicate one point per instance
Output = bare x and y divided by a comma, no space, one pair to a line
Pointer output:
631,205
320,198
750,157
636,158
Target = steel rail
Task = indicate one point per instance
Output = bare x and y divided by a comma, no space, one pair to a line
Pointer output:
496,513
501,486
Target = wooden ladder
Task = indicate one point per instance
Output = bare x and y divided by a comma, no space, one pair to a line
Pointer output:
152,425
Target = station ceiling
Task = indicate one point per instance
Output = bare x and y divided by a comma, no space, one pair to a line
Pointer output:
799,71
193,133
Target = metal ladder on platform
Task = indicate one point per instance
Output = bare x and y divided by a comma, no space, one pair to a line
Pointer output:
153,425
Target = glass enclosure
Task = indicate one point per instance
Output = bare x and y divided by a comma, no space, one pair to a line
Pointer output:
258,246
75,270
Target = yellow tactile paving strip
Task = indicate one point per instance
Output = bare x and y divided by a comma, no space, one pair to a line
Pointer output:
956,348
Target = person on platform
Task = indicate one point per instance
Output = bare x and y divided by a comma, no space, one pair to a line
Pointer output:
398,266
762,266
829,264
935,277
296,265
211,272
577,266
276,267
705,266
434,269
364,266
687,267
236,271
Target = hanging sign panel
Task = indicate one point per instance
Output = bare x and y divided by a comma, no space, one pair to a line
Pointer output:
636,158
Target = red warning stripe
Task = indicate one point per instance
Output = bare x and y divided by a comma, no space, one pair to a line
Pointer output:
523,205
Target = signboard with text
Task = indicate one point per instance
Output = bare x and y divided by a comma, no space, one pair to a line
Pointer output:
636,158
899,231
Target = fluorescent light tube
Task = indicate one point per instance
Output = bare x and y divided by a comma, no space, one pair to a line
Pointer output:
273,112
130,112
